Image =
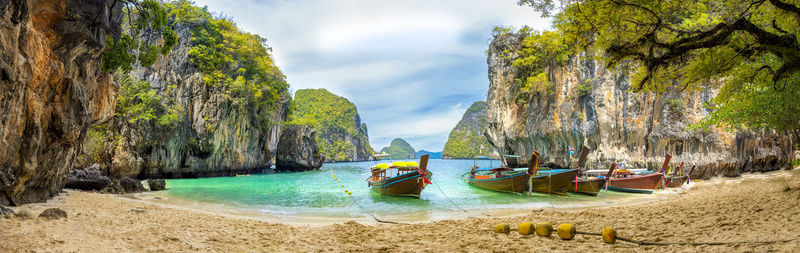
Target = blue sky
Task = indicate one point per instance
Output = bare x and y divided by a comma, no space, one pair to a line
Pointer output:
411,67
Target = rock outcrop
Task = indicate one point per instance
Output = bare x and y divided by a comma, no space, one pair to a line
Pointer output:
297,149
341,136
467,140
399,149
219,128
53,214
639,128
157,184
52,89
89,179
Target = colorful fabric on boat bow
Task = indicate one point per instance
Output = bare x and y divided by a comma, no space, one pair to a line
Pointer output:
424,175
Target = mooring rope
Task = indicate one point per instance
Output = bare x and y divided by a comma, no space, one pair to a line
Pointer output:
364,210
451,201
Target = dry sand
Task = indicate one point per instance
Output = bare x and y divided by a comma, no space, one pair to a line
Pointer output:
758,212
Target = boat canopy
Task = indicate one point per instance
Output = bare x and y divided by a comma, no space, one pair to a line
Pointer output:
483,158
512,156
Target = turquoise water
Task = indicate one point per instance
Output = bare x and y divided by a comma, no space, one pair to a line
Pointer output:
316,193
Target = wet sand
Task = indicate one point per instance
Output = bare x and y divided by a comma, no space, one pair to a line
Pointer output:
758,212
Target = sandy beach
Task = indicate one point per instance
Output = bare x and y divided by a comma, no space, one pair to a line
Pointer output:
757,212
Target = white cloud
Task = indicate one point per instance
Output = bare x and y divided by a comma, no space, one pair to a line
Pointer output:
418,61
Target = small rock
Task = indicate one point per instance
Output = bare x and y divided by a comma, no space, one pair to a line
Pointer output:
157,184
53,214
6,213
90,178
24,214
130,185
139,211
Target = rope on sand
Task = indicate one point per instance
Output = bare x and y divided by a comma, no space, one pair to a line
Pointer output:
451,201
350,196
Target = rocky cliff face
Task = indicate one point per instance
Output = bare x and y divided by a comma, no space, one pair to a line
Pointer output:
218,131
467,140
51,90
298,149
639,128
341,136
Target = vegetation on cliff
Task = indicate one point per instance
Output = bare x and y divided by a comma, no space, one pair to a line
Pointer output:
751,46
179,123
341,136
139,43
466,139
399,149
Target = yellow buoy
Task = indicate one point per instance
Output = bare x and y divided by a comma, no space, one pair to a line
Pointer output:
525,228
502,228
544,229
566,231
349,193
609,235
341,186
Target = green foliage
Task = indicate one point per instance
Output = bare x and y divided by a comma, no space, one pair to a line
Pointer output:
239,62
466,140
747,49
581,116
333,117
116,56
138,43
539,51
95,140
399,149
795,163
675,106
585,88
138,103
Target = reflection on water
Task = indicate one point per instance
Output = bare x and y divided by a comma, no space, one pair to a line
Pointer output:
316,193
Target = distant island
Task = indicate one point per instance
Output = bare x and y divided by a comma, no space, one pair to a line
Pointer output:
399,149
434,155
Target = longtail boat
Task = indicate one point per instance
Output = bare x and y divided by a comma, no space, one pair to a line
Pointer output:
519,180
628,181
406,179
676,179
586,184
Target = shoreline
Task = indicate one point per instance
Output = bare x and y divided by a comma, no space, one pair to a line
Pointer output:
733,211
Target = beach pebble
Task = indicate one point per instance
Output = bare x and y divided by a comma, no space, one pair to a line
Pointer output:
53,214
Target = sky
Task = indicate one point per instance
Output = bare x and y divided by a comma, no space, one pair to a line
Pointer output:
411,67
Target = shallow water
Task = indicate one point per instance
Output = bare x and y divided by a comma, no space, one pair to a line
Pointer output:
316,193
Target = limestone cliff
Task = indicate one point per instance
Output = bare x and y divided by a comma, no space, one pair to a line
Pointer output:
226,120
341,136
51,90
298,149
590,105
467,140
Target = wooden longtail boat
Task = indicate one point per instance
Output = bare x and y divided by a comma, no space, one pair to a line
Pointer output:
629,182
593,185
406,180
518,181
676,179
589,185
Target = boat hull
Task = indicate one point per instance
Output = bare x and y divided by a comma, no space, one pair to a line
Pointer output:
557,183
404,185
676,182
516,183
589,186
636,184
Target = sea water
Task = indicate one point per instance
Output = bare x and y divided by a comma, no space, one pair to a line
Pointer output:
316,193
